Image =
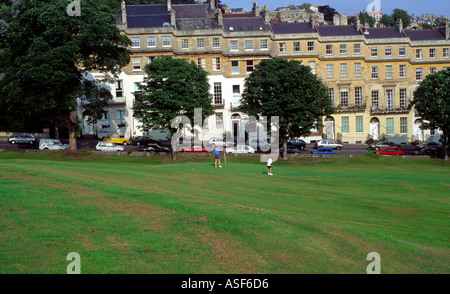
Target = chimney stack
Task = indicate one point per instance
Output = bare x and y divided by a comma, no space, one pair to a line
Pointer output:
255,9
357,22
173,18
169,5
400,25
219,17
124,13
313,21
212,5
336,19
447,30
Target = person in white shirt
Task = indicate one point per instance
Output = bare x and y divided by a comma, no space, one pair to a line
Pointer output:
269,166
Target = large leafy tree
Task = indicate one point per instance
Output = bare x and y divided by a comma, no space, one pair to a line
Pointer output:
45,54
432,102
289,90
328,12
398,14
172,87
387,20
364,17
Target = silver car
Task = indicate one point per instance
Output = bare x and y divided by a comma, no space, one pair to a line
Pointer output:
52,144
22,139
328,143
108,146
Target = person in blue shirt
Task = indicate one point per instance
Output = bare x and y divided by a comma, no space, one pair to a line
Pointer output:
217,156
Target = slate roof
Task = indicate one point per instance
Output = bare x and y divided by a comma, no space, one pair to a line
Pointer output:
292,28
147,16
188,24
240,24
424,35
147,21
191,10
330,31
383,33
134,10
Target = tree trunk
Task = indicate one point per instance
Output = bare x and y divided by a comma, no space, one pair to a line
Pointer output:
285,147
71,122
174,154
445,145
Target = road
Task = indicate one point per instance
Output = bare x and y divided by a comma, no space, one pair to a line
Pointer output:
89,144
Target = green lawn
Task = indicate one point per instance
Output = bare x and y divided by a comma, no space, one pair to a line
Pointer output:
148,214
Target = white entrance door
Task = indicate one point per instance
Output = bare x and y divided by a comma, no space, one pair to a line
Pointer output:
418,133
374,128
329,130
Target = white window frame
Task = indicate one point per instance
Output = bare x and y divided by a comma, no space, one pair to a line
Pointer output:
419,54
389,71
200,43
136,42
167,42
329,70
329,49
234,46
402,71
358,69
151,41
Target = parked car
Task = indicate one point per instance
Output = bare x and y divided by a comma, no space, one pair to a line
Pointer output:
108,146
114,138
432,152
240,149
52,144
385,144
429,145
290,149
153,148
261,144
389,151
300,144
328,143
194,149
220,142
144,140
22,139
323,150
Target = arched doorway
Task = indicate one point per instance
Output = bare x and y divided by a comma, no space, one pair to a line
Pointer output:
236,128
329,128
375,128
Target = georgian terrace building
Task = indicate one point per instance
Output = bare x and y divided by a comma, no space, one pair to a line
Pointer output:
371,73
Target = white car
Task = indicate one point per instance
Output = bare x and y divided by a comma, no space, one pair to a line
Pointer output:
219,142
328,143
108,146
240,149
263,145
52,144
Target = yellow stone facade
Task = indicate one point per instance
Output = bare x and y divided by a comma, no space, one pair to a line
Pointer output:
371,73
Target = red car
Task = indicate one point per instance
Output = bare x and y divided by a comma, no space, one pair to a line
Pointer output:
390,151
197,149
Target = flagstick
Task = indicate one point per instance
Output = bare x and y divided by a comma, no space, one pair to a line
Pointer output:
225,156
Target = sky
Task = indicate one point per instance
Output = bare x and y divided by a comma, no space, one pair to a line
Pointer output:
349,7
